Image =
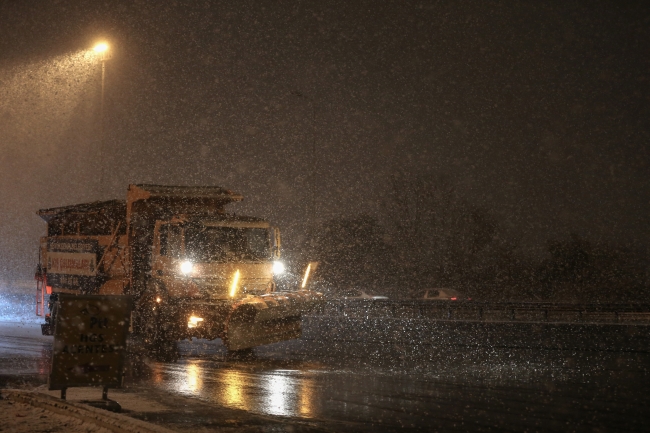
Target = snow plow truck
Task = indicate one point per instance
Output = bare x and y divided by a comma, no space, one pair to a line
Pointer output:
193,270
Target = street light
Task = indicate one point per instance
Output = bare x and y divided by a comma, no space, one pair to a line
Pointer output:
101,47
103,51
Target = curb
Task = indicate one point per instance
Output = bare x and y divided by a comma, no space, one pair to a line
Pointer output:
101,418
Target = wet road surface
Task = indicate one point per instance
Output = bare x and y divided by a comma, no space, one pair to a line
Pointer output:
296,386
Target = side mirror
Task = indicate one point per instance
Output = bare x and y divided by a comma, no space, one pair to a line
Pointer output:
276,243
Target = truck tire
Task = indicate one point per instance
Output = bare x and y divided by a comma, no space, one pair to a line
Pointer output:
153,324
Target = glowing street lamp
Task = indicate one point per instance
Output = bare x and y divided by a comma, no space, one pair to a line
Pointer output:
103,51
101,47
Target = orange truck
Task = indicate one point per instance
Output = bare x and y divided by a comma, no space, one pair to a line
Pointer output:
194,270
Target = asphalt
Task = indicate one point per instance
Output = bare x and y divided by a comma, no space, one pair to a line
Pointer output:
342,382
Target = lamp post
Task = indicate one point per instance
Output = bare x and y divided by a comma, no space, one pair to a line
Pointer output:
312,183
104,53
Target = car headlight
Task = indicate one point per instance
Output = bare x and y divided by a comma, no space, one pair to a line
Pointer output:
186,267
278,268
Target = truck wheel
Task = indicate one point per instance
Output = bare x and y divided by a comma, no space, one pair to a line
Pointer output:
153,326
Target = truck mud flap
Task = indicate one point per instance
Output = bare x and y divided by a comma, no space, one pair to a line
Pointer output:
266,319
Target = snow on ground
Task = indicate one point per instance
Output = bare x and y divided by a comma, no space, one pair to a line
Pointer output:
31,412
21,417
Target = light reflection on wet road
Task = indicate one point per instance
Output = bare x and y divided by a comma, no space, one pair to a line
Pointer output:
300,390
267,391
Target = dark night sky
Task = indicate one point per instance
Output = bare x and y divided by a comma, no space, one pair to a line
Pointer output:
537,112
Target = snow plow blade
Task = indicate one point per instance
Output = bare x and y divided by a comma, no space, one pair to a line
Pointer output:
266,319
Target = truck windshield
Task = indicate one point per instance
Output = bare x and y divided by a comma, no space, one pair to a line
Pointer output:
226,244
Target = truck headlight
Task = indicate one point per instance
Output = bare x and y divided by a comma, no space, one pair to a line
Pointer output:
186,267
193,321
278,268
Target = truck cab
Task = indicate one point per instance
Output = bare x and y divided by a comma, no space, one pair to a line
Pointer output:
219,258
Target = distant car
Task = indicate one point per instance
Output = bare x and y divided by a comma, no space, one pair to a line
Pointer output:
359,294
443,294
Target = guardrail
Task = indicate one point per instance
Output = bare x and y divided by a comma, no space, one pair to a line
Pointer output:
542,312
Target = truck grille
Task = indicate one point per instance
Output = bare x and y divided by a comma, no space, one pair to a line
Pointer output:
219,288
